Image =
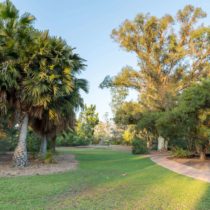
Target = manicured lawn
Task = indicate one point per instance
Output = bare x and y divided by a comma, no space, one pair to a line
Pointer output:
106,179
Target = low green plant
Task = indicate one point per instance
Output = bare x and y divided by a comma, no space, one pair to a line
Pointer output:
70,138
107,142
4,145
139,146
178,142
33,143
49,158
9,142
180,153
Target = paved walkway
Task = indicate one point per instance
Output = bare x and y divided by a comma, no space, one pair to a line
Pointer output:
179,168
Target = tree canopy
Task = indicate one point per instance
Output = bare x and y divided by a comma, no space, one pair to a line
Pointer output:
39,81
172,53
173,58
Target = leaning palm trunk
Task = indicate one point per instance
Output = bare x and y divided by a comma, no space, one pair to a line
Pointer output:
20,157
43,147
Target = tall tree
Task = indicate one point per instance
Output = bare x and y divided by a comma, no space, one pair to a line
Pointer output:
16,36
172,53
192,114
48,77
36,69
60,116
86,123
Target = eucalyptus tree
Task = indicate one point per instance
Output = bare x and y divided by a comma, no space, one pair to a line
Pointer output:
169,58
172,53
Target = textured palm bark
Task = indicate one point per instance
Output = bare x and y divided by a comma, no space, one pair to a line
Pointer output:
20,156
43,147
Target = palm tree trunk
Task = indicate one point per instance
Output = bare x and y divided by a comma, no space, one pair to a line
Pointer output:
20,157
43,147
53,143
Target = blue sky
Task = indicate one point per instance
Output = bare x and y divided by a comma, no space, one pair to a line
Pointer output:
87,25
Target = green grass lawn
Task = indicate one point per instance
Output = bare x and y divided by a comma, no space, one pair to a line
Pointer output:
106,179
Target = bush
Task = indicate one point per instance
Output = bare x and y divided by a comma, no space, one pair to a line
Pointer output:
10,141
178,142
4,146
49,158
70,138
139,146
79,141
64,139
33,142
180,153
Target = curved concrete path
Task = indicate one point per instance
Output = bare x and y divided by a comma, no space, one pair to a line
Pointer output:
162,160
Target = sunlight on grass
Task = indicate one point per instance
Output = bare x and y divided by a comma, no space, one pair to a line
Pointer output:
106,179
149,186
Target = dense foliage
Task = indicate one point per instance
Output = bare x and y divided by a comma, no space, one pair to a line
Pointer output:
180,153
39,84
139,146
83,134
172,56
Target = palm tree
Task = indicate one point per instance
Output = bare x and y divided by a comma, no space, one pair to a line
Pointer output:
47,76
59,116
15,36
35,71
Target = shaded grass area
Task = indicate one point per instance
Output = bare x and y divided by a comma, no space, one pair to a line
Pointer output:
106,179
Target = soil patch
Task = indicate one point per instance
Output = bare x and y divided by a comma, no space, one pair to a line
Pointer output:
64,162
195,163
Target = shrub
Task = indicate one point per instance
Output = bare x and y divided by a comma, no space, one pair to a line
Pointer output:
70,138
139,146
9,142
180,153
64,140
33,143
128,136
49,158
4,146
178,142
117,140
79,141
107,142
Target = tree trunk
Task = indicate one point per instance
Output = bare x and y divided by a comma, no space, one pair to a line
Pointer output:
43,147
161,143
202,155
20,157
166,145
53,144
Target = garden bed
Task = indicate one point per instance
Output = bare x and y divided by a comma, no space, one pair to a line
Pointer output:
195,162
64,162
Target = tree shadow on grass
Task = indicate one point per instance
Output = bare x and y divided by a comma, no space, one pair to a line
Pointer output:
204,202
